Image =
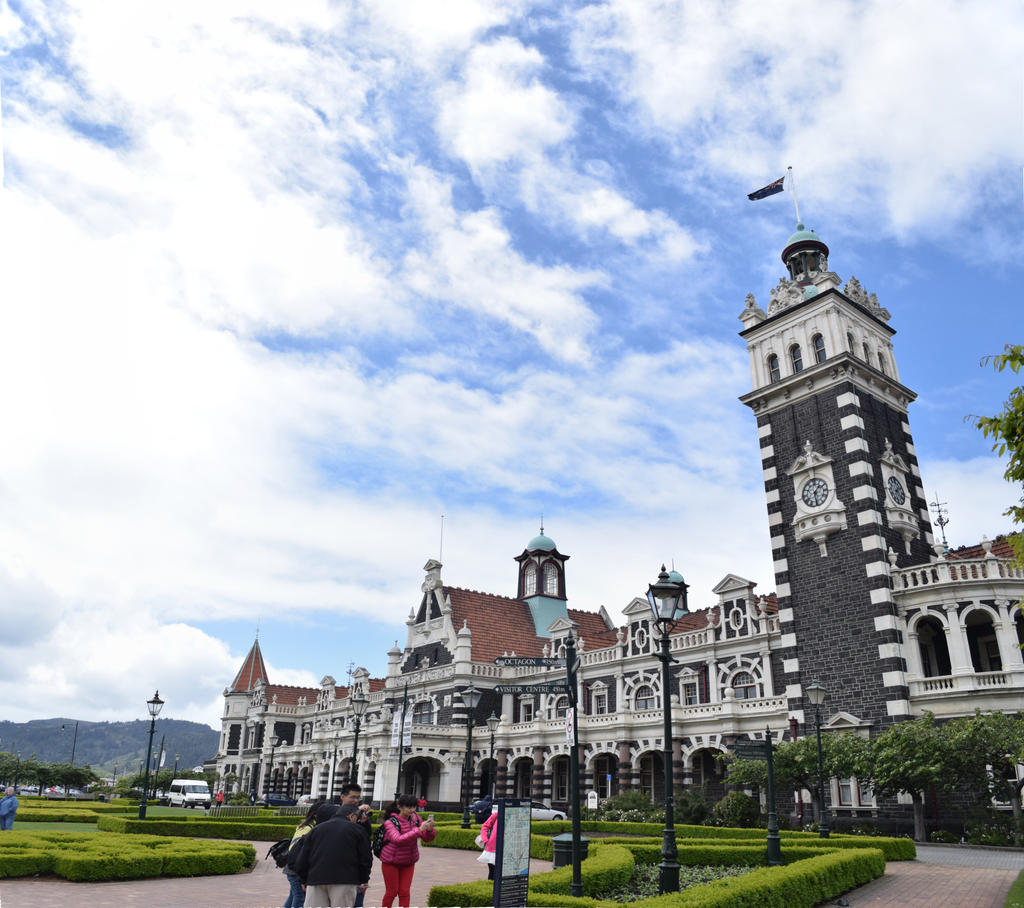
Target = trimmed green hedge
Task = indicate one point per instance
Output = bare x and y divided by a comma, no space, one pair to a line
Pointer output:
607,868
246,828
108,856
28,815
802,884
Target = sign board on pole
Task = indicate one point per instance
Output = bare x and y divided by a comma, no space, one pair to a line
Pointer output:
554,688
396,724
512,853
750,751
570,723
529,662
591,800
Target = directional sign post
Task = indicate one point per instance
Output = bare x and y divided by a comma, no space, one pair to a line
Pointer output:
559,687
749,751
529,662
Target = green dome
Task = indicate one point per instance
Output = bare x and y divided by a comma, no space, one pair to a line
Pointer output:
803,235
675,577
540,543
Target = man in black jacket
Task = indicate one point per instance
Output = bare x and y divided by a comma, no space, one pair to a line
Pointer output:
334,861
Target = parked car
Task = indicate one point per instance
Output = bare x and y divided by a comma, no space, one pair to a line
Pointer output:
542,812
277,801
189,793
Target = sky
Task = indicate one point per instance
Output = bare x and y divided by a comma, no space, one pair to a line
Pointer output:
281,284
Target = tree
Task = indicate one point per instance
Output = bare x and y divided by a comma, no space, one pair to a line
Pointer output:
987,750
913,757
796,764
1007,430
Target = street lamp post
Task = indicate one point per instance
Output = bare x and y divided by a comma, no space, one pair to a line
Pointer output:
334,761
470,697
154,707
492,724
359,701
17,772
268,777
667,599
816,693
74,741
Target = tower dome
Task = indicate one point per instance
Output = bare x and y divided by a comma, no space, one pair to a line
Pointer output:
541,543
805,254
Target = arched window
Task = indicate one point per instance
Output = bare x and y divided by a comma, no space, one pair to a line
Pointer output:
423,713
530,580
560,708
795,358
881,362
550,580
745,686
849,343
818,342
867,354
644,698
774,374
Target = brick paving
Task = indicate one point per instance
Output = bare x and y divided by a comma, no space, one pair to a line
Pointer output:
941,877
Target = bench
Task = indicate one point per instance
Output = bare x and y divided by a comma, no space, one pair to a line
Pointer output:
233,810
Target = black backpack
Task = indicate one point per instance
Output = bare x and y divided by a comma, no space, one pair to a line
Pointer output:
279,852
377,846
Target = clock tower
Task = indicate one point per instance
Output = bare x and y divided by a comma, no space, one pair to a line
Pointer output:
844,492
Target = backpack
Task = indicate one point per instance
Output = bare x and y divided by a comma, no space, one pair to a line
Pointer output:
279,852
377,846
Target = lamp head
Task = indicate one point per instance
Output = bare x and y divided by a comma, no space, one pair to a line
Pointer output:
155,705
493,722
816,693
667,598
359,701
471,696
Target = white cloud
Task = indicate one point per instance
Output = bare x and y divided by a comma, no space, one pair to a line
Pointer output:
500,110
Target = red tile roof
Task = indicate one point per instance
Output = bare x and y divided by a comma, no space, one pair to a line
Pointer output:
1002,547
252,670
502,625
287,695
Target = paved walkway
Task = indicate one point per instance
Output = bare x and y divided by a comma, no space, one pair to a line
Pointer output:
265,887
941,877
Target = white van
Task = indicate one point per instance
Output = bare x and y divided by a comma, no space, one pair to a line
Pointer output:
188,793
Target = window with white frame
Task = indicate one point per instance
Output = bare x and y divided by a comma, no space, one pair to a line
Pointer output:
560,707
644,698
745,686
550,579
599,702
423,713
530,580
690,695
854,793
526,710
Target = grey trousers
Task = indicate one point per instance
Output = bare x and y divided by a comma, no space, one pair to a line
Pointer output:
333,896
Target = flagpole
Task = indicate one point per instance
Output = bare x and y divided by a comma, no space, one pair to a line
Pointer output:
792,188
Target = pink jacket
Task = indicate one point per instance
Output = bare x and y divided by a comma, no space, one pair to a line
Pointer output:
488,833
402,848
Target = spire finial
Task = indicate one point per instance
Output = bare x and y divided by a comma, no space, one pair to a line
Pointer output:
542,523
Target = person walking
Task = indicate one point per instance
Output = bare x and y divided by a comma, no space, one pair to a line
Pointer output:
220,797
296,895
489,835
351,793
334,860
8,808
401,848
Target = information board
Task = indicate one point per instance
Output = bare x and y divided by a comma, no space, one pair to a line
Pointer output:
512,853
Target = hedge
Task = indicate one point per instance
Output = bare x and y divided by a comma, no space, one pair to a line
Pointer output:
108,856
28,815
211,828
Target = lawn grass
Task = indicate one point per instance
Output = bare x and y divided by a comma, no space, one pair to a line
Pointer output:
1015,897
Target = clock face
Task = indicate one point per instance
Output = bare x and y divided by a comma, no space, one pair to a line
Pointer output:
896,490
815,492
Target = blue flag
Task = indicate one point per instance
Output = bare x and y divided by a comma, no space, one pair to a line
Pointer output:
770,189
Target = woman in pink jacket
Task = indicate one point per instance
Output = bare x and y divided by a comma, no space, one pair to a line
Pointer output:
401,848
489,833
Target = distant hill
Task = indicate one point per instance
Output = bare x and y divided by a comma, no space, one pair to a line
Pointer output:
101,745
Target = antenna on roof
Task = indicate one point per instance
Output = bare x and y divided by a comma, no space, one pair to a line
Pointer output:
939,507
257,629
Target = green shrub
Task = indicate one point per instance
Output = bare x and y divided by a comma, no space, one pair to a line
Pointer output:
631,806
692,805
253,829
943,836
607,867
737,809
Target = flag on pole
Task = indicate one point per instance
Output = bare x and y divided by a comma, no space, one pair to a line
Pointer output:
765,191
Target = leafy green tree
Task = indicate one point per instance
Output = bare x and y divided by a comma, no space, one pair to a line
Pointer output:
796,765
1007,431
912,756
987,750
